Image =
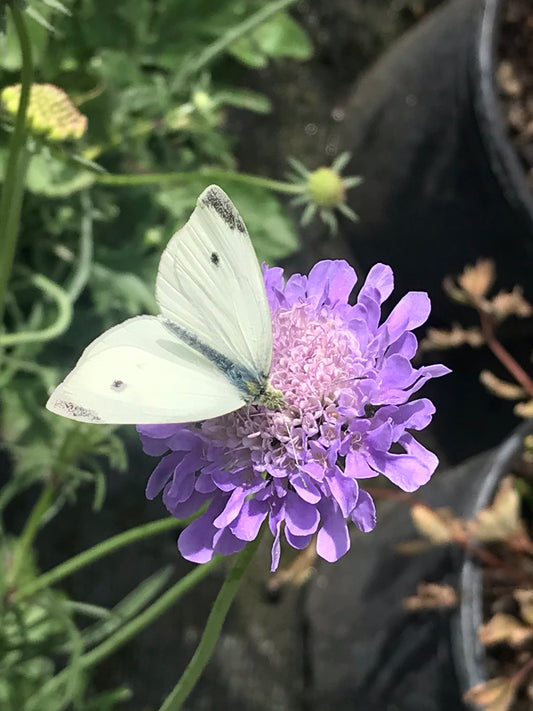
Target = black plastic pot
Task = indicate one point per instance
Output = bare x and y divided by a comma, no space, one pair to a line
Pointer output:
442,183
364,650
442,187
470,653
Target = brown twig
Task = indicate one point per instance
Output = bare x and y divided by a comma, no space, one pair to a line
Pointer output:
501,353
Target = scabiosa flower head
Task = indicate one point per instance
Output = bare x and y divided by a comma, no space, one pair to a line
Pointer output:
347,380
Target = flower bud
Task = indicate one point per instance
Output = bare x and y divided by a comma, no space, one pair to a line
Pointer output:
50,113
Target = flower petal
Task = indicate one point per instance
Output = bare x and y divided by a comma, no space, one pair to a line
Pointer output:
332,540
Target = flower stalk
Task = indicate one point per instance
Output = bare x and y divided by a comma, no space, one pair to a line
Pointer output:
209,174
212,629
100,550
127,632
17,162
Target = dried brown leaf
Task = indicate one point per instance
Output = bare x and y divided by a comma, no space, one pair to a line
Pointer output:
412,547
501,388
493,695
436,525
510,303
525,600
440,338
431,596
500,520
524,409
454,292
476,280
507,79
504,628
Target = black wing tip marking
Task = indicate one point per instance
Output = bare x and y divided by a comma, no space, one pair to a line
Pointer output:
71,409
217,199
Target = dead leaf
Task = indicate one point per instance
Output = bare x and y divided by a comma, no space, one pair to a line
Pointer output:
524,409
510,303
437,525
440,338
476,280
493,695
501,388
431,596
504,628
500,520
525,599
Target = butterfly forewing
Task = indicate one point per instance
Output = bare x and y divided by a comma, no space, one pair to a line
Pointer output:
210,284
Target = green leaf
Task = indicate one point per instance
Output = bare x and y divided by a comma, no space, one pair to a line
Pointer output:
247,51
280,36
124,291
126,609
10,55
244,99
39,18
55,177
283,37
56,5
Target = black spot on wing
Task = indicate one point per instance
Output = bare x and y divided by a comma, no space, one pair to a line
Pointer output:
215,259
118,385
219,201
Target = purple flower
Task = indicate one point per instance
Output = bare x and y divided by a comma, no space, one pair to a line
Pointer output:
347,381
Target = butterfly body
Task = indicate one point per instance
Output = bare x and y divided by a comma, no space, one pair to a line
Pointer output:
209,351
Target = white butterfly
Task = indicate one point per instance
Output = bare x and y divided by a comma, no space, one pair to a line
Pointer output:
209,351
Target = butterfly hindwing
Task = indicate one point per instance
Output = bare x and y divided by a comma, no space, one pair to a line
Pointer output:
139,373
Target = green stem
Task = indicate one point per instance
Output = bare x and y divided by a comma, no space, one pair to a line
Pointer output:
124,634
98,551
212,630
14,177
82,272
195,64
207,174
30,531
60,325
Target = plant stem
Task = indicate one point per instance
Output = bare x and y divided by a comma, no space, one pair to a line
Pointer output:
30,531
212,51
80,277
124,634
60,325
96,552
207,174
502,354
212,630
14,178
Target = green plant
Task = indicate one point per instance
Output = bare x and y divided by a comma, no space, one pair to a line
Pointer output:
149,85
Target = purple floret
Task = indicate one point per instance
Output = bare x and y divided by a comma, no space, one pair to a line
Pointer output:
347,381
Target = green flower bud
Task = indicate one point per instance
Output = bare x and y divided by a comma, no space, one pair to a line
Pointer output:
326,187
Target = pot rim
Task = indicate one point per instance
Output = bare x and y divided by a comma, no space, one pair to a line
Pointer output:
469,652
493,124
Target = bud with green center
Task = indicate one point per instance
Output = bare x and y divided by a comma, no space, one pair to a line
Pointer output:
326,188
51,113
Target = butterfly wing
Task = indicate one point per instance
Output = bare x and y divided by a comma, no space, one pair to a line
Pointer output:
210,284
139,373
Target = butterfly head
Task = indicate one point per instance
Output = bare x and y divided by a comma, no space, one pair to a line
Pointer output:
265,394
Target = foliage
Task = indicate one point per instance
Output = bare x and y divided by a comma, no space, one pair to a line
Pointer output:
153,80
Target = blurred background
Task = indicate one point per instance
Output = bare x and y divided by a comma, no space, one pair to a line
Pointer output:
140,105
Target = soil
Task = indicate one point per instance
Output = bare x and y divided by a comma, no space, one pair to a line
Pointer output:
515,77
